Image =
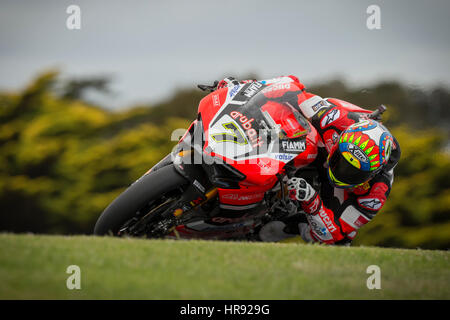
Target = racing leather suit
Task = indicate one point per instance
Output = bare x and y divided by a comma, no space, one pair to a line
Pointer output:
334,215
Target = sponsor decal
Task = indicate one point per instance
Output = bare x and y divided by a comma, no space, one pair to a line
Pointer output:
321,112
252,89
216,101
357,152
370,203
327,220
331,116
281,86
293,146
236,196
234,90
284,157
299,133
222,220
317,229
319,105
247,125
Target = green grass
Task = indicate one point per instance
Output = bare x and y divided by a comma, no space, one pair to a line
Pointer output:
34,267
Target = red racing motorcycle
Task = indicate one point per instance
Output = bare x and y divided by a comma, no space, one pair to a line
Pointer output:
226,176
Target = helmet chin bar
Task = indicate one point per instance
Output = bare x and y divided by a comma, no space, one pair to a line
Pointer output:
341,185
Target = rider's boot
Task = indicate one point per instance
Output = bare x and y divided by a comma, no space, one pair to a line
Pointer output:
278,230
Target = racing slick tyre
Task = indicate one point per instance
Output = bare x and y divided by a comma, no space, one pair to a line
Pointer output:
148,188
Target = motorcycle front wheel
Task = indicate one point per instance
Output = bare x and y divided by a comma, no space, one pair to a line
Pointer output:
143,194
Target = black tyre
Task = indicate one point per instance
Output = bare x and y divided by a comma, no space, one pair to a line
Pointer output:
149,187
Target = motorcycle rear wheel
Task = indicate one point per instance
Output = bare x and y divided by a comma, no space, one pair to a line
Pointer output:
148,188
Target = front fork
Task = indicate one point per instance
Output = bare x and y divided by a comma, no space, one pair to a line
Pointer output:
199,192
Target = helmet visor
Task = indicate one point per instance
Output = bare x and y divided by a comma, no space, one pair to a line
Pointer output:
345,172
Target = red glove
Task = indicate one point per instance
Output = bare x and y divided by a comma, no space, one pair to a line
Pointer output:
320,218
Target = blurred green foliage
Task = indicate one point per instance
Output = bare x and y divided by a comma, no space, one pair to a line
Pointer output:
63,160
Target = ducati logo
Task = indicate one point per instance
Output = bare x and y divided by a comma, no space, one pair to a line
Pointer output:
327,220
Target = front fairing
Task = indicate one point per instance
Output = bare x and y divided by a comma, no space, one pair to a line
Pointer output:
257,130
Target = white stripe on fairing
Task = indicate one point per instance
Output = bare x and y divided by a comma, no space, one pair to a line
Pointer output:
195,223
237,207
350,215
203,226
240,103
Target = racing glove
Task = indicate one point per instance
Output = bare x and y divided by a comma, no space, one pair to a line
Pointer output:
300,190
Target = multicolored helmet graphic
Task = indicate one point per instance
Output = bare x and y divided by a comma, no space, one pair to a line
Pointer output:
361,152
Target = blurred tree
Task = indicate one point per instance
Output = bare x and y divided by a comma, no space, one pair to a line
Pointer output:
75,89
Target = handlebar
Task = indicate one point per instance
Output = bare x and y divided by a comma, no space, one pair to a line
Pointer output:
205,87
376,115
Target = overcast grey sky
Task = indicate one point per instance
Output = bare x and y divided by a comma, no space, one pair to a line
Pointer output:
152,47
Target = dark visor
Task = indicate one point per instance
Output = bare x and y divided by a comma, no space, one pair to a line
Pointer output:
345,172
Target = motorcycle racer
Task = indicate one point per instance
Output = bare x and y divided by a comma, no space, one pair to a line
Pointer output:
355,163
